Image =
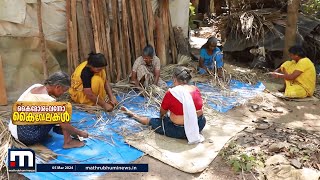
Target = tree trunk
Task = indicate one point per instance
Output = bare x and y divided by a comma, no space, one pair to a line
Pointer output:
291,28
217,6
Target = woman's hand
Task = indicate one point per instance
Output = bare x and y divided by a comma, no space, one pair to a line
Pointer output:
113,101
276,74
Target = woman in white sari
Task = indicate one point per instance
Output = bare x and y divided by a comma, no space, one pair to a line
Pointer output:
57,84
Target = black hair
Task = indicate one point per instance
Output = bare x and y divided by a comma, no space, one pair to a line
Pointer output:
58,78
97,60
297,50
148,51
182,74
211,40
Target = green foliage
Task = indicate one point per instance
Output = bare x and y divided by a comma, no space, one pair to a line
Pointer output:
242,162
311,7
192,13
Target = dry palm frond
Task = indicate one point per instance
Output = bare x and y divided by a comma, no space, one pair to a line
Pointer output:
7,142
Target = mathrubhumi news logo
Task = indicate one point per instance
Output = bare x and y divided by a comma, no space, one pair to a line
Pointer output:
33,113
21,160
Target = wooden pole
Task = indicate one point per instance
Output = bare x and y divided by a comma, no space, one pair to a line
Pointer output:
125,34
150,24
131,36
74,35
291,28
140,23
136,35
108,40
83,35
95,27
100,8
160,44
42,40
69,32
164,9
115,45
3,93
88,24
121,45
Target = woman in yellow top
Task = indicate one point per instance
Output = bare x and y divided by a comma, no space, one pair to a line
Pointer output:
299,74
89,84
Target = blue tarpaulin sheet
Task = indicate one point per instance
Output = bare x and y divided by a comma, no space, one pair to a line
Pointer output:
108,150
112,148
223,101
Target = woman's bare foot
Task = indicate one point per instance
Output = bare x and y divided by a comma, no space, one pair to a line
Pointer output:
126,111
73,144
83,134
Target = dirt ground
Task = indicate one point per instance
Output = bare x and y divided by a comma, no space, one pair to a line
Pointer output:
304,115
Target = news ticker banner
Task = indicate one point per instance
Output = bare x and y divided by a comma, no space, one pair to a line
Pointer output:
92,168
32,113
23,160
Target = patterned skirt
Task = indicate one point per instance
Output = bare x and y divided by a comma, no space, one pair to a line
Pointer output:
32,134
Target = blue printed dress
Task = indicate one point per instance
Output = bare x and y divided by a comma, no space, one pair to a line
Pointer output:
211,60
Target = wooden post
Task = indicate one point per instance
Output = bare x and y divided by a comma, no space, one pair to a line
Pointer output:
160,44
150,24
121,45
108,40
100,8
125,36
3,93
140,24
115,45
131,36
42,40
88,24
135,29
74,35
69,52
83,35
164,9
291,28
95,26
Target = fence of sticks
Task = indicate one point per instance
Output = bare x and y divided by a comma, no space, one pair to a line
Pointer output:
119,29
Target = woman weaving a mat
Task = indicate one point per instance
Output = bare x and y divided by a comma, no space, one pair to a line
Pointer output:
146,69
210,57
183,103
299,74
89,84
57,84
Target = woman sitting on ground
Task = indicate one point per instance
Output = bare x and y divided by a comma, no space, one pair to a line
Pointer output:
299,74
211,58
183,103
57,84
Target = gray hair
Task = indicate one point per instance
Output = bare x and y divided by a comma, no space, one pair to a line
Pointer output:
58,78
211,40
148,51
182,74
